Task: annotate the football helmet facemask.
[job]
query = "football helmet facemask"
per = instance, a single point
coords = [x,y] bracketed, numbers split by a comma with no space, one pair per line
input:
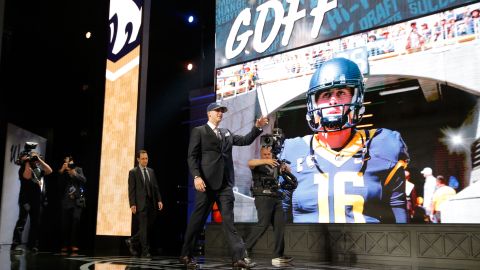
[335,73]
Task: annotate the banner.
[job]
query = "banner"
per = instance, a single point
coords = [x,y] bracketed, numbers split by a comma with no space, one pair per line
[251,29]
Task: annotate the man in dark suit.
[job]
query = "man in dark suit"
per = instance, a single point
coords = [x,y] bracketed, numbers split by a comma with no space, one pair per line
[145,201]
[211,165]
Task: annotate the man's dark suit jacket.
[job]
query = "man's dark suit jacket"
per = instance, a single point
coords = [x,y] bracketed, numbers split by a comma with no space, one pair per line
[66,181]
[210,158]
[137,192]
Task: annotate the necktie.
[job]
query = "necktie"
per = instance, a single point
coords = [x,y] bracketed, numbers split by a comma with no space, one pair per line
[217,132]
[147,182]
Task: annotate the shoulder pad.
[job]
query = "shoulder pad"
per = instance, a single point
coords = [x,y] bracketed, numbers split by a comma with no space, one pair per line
[388,144]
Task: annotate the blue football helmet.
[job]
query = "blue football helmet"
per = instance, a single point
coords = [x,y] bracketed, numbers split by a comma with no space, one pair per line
[335,73]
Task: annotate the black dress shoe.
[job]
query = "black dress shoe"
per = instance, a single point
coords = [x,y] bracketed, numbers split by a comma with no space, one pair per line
[243,264]
[187,261]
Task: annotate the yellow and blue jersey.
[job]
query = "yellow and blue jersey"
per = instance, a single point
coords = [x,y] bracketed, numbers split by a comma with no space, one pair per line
[364,182]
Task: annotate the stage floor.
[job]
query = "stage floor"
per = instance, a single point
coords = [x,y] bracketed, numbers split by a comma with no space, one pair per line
[86,261]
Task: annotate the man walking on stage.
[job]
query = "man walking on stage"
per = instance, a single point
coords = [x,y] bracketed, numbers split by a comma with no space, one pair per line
[211,165]
[145,201]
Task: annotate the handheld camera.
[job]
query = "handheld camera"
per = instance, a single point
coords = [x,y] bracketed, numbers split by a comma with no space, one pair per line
[26,154]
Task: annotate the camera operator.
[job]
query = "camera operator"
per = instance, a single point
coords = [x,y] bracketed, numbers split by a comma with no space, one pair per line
[268,199]
[32,169]
[72,183]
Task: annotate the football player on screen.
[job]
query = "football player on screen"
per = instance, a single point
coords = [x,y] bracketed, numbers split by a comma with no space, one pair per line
[345,175]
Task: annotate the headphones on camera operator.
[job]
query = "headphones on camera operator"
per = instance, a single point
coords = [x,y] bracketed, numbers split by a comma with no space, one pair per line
[265,177]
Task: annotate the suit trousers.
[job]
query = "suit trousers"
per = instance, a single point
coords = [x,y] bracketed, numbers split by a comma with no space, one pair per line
[203,205]
[146,219]
[70,225]
[269,211]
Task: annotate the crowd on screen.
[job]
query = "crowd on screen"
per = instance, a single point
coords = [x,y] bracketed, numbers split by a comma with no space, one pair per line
[449,27]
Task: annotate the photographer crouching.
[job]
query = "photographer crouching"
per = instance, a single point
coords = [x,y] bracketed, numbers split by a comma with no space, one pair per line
[72,183]
[32,170]
[269,191]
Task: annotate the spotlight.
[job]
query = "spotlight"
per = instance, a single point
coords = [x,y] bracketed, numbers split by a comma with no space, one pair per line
[189,66]
[191,19]
[88,35]
[457,139]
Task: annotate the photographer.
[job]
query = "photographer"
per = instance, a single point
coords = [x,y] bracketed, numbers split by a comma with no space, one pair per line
[72,183]
[32,169]
[268,197]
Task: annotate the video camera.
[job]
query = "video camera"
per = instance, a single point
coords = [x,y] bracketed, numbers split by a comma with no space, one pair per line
[276,141]
[26,154]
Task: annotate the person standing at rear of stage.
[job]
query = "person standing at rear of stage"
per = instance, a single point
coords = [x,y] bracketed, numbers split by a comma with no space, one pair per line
[145,201]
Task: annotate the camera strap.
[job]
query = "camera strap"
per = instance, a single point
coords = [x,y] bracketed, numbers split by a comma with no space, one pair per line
[35,178]
[312,156]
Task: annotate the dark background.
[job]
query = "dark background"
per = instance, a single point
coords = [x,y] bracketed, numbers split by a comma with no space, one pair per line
[52,82]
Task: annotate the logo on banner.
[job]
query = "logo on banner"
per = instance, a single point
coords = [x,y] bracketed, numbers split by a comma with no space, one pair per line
[125,23]
[263,10]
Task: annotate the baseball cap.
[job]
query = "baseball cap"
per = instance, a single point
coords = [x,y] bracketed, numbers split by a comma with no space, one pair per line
[426,170]
[214,106]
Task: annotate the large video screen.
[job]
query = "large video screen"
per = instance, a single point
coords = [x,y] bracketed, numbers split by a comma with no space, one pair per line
[413,157]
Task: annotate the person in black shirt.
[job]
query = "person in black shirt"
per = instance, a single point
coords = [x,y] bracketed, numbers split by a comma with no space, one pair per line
[268,201]
[32,169]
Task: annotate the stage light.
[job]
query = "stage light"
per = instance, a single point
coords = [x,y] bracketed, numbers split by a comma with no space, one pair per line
[191,19]
[456,139]
[364,126]
[189,66]
[88,35]
[396,91]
